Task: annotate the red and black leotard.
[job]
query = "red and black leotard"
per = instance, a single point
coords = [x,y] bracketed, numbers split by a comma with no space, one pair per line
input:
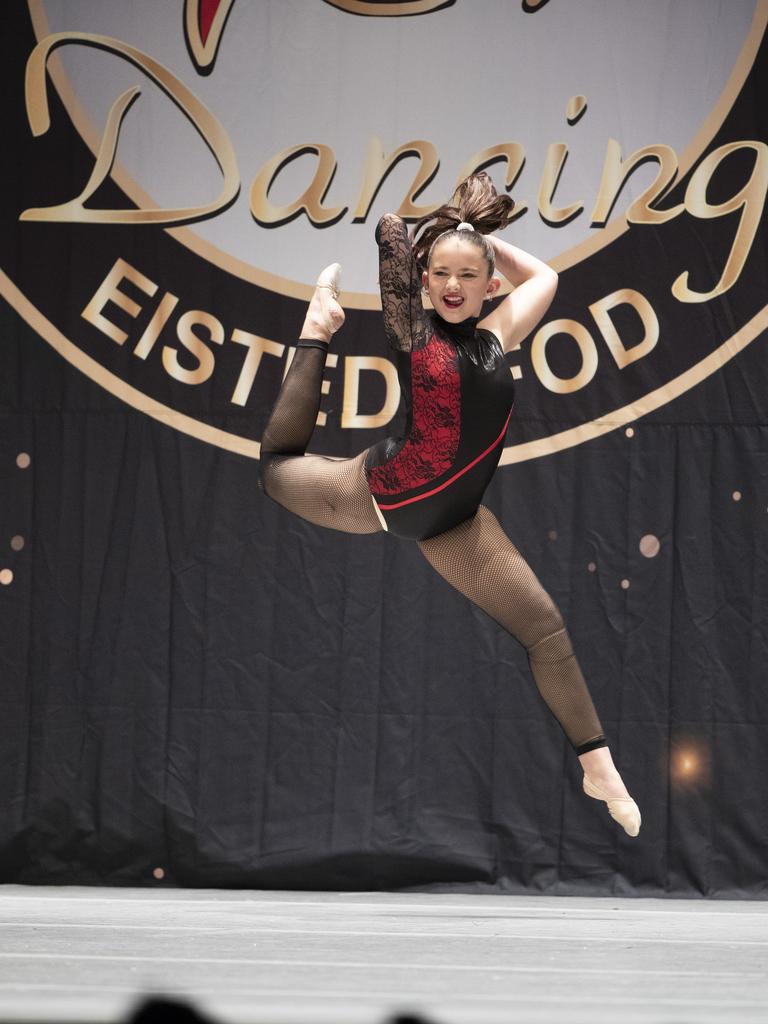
[457,391]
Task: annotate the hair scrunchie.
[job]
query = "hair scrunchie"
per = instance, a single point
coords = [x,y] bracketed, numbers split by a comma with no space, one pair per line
[465,226]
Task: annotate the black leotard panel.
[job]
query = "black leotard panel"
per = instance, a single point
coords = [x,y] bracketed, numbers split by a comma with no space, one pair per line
[458,393]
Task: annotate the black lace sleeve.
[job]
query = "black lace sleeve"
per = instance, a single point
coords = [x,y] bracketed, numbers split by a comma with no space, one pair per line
[405,320]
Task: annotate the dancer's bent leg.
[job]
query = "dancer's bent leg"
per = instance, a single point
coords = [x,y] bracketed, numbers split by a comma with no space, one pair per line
[329,492]
[479,560]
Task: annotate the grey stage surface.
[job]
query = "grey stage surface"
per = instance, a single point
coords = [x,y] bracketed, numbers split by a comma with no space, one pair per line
[71,954]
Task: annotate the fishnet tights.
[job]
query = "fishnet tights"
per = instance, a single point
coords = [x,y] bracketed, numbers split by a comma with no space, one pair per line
[478,559]
[328,492]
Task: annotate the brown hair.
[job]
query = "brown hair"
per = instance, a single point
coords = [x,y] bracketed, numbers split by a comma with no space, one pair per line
[475,201]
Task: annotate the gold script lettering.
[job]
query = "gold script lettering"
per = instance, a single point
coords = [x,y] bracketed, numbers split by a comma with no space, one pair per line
[750,199]
[377,167]
[616,173]
[311,200]
[557,154]
[203,120]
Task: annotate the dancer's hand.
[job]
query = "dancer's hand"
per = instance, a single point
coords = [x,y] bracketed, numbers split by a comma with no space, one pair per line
[534,285]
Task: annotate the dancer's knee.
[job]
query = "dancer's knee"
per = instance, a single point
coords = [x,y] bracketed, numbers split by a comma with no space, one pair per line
[553,648]
[267,466]
[548,640]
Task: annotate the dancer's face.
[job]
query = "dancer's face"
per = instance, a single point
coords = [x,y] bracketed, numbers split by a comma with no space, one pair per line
[457,280]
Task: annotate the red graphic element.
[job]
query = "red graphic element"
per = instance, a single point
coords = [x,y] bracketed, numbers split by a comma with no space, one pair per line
[435,422]
[206,15]
[204,22]
[450,480]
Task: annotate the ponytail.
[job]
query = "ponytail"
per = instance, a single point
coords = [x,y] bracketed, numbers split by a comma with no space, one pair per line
[475,210]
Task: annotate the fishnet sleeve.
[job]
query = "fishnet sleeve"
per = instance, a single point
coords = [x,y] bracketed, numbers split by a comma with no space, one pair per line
[405,321]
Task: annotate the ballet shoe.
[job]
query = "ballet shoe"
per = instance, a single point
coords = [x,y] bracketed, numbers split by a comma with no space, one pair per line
[330,279]
[622,809]
[327,314]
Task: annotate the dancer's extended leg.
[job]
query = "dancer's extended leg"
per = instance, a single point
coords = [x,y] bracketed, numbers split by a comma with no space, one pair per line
[330,492]
[480,561]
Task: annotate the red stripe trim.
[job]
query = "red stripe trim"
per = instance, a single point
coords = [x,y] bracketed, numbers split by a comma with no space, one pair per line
[447,483]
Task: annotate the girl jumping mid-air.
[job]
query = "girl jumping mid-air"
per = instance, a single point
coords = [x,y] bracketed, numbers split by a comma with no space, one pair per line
[427,484]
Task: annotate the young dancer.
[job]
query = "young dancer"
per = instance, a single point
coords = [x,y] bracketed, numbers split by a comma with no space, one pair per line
[427,484]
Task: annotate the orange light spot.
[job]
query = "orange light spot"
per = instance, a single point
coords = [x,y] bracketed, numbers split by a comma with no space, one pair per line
[689,764]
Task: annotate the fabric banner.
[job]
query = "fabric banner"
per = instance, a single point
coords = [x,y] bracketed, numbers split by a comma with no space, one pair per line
[199,688]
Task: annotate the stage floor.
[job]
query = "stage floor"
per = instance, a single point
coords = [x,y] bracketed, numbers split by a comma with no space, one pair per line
[69,954]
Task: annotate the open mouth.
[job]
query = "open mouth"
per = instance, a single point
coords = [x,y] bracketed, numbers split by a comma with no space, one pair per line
[453,301]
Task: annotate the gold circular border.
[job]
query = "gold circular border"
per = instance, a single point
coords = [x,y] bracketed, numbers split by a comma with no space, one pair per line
[364,300]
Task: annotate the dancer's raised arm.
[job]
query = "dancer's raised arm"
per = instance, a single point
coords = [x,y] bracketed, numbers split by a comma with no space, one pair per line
[399,282]
[534,286]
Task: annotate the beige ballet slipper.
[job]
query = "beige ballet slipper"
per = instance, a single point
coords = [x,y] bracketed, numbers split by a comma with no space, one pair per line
[624,810]
[330,278]
[324,315]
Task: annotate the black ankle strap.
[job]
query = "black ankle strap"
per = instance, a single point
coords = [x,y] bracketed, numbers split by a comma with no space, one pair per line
[312,343]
